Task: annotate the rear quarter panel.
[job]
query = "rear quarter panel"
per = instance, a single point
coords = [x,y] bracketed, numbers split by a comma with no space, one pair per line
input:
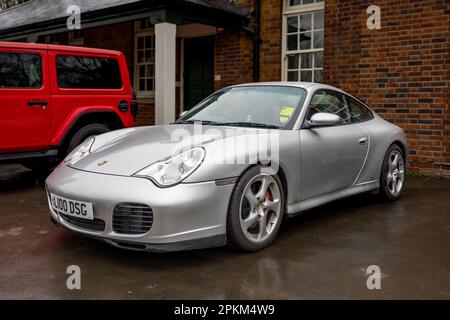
[69,104]
[382,135]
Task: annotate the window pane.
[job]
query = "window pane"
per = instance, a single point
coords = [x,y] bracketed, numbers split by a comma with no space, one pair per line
[150,71]
[292,42]
[140,43]
[141,85]
[149,55]
[308,1]
[318,39]
[306,61]
[318,60]
[318,76]
[358,112]
[88,73]
[292,23]
[149,42]
[142,71]
[293,61]
[19,70]
[329,102]
[149,84]
[269,105]
[305,22]
[294,2]
[141,57]
[318,20]
[306,76]
[305,41]
[293,76]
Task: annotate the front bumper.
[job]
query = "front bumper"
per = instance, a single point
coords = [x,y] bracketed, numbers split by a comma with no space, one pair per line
[186,216]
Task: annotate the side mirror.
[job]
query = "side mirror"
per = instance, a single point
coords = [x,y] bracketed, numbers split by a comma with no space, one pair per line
[324,119]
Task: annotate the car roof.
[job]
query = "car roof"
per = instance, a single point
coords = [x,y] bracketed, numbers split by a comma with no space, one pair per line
[35,46]
[304,85]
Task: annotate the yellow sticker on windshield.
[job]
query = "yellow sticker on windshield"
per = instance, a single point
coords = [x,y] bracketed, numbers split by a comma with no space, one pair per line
[286,113]
[284,119]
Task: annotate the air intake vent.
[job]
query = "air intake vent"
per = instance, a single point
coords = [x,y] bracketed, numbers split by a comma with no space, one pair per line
[92,225]
[132,218]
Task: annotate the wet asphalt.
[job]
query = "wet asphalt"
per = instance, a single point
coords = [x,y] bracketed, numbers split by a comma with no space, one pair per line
[323,254]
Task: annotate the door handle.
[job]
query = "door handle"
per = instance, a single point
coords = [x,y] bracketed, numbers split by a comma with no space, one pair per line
[37,103]
[363,140]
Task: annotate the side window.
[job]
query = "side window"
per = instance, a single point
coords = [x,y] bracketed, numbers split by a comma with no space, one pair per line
[76,72]
[358,112]
[20,70]
[329,102]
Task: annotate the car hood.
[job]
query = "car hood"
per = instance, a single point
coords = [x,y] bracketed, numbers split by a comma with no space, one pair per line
[128,151]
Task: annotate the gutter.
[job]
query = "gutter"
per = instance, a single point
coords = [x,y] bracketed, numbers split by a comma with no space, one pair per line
[257,40]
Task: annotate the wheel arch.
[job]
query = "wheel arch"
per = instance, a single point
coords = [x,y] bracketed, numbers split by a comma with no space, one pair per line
[403,147]
[108,118]
[280,174]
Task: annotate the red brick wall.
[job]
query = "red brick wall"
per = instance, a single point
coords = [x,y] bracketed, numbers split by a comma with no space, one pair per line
[271,28]
[401,70]
[234,50]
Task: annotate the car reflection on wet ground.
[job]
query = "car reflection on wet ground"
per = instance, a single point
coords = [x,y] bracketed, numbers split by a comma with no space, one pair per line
[322,254]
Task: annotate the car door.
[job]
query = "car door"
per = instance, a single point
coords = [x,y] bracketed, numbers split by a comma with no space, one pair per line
[331,157]
[25,110]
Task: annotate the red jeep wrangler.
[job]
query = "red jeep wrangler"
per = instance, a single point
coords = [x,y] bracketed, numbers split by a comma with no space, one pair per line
[52,98]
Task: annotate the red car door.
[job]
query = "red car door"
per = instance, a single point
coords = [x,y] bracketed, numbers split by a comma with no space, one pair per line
[25,105]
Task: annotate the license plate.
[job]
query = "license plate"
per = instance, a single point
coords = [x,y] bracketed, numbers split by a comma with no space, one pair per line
[73,208]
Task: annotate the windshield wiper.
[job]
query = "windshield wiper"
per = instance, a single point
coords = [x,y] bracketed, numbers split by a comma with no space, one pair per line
[249,124]
[204,122]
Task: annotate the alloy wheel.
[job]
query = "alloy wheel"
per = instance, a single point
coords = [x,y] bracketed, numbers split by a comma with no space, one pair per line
[260,208]
[396,173]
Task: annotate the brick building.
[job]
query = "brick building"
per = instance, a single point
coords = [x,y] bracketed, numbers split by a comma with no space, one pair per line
[179,51]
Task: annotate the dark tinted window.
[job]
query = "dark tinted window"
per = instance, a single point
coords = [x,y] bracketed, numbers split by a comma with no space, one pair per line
[358,112]
[88,73]
[329,102]
[20,70]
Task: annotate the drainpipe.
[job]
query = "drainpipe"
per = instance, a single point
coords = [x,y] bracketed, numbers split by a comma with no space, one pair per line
[256,40]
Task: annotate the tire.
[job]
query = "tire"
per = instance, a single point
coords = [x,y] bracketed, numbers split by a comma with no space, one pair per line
[393,174]
[84,133]
[251,209]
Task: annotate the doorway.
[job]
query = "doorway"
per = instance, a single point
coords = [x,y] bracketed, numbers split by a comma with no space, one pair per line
[198,70]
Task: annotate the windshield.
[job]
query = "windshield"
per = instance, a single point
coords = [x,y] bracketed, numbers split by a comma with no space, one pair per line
[264,106]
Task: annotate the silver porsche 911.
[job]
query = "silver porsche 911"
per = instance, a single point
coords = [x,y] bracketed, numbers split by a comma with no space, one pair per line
[229,170]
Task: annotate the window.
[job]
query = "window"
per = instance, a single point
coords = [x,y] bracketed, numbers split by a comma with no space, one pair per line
[144,71]
[303,38]
[88,73]
[358,112]
[265,105]
[300,2]
[20,70]
[329,102]
[7,4]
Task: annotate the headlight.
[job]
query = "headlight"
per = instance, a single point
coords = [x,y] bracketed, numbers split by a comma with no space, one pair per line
[80,152]
[170,172]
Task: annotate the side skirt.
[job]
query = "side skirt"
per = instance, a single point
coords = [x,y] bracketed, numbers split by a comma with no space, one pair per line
[295,209]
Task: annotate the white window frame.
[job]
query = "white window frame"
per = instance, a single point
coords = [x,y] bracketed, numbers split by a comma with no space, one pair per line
[137,34]
[293,10]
